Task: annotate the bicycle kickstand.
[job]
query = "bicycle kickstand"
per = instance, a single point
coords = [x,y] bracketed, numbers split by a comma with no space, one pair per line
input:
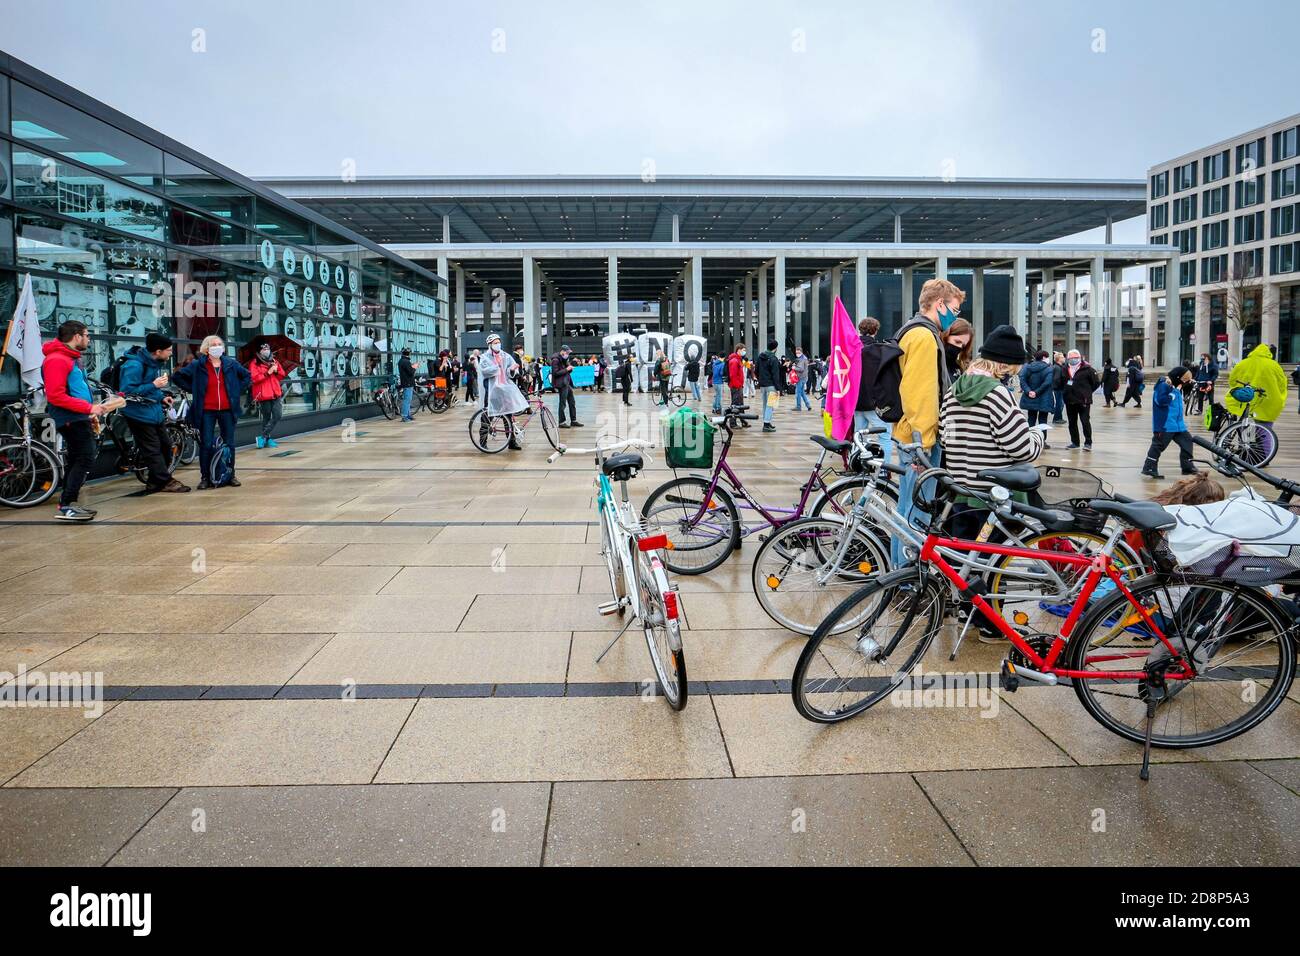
[610,645]
[970,619]
[1145,772]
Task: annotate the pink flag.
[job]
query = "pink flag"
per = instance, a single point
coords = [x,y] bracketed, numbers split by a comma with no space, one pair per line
[845,372]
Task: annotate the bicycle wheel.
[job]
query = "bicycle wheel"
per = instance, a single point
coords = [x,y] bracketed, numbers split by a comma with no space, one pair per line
[385,402]
[1025,601]
[1236,636]
[679,397]
[221,464]
[842,672]
[663,635]
[173,447]
[802,572]
[1250,441]
[842,495]
[549,428]
[701,537]
[490,433]
[189,445]
[29,474]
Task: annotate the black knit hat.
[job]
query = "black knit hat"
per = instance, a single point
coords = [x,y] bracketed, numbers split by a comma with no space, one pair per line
[1005,345]
[154,342]
[1176,373]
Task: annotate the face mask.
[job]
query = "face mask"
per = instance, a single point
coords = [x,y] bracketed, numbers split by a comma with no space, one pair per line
[741,353]
[946,318]
[496,346]
[952,350]
[265,355]
[1075,361]
[216,351]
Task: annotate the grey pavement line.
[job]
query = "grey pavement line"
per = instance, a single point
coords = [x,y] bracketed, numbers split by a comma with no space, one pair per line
[929,799]
[1040,730]
[393,743]
[163,806]
[722,735]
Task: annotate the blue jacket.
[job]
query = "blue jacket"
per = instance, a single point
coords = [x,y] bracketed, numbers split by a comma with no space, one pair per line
[1037,377]
[1206,374]
[1167,408]
[194,379]
[136,379]
[719,372]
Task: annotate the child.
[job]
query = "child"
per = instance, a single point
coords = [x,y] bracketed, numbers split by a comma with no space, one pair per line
[1167,424]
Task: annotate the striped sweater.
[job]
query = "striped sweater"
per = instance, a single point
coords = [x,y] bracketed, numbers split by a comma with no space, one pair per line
[981,427]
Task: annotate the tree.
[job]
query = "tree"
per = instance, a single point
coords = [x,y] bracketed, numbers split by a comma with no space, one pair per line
[1243,302]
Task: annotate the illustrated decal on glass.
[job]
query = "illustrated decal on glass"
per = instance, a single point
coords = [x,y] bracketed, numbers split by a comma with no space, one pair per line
[289,260]
[308,299]
[290,295]
[268,323]
[268,254]
[338,276]
[352,309]
[324,303]
[308,266]
[291,328]
[354,281]
[268,291]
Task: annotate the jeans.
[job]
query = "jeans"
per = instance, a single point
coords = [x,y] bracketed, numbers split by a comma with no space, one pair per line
[738,396]
[717,397]
[406,403]
[208,426]
[1058,405]
[906,485]
[149,442]
[272,412]
[863,420]
[800,397]
[764,394]
[81,449]
[695,390]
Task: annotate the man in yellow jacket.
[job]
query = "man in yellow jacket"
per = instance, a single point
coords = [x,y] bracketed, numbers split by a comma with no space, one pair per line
[924,379]
[1259,370]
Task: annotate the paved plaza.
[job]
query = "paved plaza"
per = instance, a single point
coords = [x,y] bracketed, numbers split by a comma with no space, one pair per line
[380,650]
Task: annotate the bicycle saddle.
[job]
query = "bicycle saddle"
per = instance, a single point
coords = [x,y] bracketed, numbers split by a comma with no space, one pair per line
[830,444]
[1022,477]
[1143,515]
[622,467]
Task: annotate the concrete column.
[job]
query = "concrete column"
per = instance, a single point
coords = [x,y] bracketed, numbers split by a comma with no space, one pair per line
[1048,338]
[446,229]
[1270,329]
[677,227]
[861,289]
[1149,339]
[837,278]
[908,307]
[779,301]
[1114,309]
[663,312]
[532,323]
[442,331]
[762,308]
[1096,310]
[508,319]
[487,308]
[815,307]
[898,228]
[548,328]
[977,305]
[695,270]
[941,267]
[613,294]
[458,347]
[1032,336]
[1018,295]
[1169,357]
[1202,316]
[1072,312]
[688,297]
[748,303]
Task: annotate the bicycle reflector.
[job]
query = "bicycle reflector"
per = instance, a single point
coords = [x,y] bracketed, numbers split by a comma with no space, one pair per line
[652,543]
[670,605]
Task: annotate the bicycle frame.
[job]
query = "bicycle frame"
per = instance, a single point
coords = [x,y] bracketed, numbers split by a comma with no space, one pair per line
[1097,565]
[619,535]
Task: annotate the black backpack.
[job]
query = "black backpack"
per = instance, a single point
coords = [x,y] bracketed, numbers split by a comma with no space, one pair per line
[883,369]
[112,376]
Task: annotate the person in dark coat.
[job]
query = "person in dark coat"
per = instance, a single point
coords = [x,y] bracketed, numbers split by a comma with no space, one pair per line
[1133,389]
[1058,388]
[1037,395]
[562,382]
[216,382]
[1081,380]
[1205,375]
[1109,381]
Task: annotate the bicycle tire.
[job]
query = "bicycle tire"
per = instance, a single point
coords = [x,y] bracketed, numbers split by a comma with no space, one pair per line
[549,427]
[849,490]
[1259,449]
[901,609]
[786,568]
[189,446]
[663,634]
[37,474]
[693,547]
[385,403]
[613,565]
[490,434]
[1240,600]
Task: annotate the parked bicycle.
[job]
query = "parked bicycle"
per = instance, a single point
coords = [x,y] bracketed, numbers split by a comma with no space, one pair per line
[633,558]
[1163,646]
[1243,435]
[493,433]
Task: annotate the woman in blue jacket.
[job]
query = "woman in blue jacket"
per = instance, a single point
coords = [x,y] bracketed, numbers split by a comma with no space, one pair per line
[1037,396]
[1167,424]
[216,382]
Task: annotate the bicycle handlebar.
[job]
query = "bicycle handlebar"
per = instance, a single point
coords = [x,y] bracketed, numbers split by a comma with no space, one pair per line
[600,449]
[1284,485]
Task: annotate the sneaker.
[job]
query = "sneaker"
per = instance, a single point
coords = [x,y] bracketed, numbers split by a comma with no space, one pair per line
[81,507]
[769,428]
[991,637]
[564,425]
[1191,471]
[577,425]
[1071,447]
[73,513]
[272,443]
[1087,447]
[175,487]
[204,484]
[261,442]
[1152,474]
[233,482]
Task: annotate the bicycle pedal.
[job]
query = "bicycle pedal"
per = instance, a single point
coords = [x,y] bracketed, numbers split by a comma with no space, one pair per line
[1008,680]
[611,607]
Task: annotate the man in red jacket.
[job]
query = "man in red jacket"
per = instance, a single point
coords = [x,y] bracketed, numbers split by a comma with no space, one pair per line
[736,377]
[71,405]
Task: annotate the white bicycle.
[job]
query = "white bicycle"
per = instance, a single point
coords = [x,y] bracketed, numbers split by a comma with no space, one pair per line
[637,577]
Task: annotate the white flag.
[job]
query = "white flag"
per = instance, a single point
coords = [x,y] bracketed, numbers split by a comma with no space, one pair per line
[24,339]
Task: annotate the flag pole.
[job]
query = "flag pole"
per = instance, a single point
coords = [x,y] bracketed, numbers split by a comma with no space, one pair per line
[4,349]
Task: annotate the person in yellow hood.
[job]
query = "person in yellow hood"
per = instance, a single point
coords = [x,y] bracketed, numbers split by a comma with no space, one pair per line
[1260,370]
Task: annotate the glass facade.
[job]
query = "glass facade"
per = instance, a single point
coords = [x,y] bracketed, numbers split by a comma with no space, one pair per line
[121,234]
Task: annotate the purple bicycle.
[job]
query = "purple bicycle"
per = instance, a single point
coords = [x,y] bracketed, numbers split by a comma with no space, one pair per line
[702,516]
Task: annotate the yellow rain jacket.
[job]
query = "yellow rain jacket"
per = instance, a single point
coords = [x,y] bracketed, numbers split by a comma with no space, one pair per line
[1260,370]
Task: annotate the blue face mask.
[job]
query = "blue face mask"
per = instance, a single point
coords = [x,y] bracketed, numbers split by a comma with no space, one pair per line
[946,318]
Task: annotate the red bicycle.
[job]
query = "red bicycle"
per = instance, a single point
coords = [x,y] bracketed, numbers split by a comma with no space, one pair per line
[1167,660]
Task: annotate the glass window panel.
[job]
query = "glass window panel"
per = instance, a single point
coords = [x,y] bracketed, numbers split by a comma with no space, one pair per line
[208,191]
[282,226]
[49,183]
[55,126]
[5,177]
[59,246]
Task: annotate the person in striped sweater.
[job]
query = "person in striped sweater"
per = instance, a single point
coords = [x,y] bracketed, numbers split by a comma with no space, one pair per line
[981,426]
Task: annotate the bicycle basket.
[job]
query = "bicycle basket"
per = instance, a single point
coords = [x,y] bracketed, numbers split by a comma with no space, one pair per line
[1070,489]
[1216,416]
[1227,564]
[687,438]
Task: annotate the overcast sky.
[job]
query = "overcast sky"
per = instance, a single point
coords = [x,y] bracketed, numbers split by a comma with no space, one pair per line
[1042,88]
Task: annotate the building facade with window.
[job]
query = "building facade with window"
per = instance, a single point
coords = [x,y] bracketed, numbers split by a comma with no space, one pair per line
[131,232]
[1233,212]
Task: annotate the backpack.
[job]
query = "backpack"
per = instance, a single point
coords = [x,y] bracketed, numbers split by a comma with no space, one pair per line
[882,367]
[112,376]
